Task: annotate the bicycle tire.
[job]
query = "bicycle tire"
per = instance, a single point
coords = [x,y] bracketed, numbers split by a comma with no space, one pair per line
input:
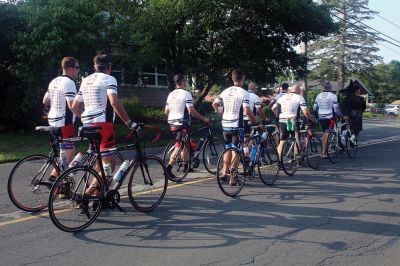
[240,174]
[272,169]
[333,147]
[351,146]
[75,211]
[314,152]
[147,191]
[211,154]
[289,160]
[271,151]
[28,169]
[178,170]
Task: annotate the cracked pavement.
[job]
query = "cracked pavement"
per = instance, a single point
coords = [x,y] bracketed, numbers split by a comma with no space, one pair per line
[344,214]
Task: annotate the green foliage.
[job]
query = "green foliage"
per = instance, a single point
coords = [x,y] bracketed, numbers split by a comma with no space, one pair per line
[384,82]
[139,113]
[205,108]
[311,96]
[216,89]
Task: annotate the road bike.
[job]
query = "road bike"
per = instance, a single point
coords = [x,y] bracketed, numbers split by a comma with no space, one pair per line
[28,184]
[209,146]
[296,152]
[79,208]
[341,139]
[239,168]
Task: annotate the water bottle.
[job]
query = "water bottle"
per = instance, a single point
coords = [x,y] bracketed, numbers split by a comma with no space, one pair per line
[121,171]
[63,159]
[107,169]
[77,160]
[199,144]
[264,135]
[253,153]
[246,152]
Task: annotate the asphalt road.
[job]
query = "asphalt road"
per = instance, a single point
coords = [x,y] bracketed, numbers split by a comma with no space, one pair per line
[343,214]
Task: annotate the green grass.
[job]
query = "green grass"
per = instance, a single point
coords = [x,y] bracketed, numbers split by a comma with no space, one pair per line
[15,145]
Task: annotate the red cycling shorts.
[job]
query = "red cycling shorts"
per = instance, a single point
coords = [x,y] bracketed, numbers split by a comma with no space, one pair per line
[68,131]
[107,140]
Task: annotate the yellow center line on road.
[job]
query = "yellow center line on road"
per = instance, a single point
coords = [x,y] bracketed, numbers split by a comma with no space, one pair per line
[46,214]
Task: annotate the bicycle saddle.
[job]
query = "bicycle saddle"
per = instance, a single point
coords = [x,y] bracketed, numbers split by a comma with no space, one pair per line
[47,128]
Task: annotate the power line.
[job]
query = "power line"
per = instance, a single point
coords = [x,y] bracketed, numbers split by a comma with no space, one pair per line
[390,49]
[358,27]
[337,10]
[388,21]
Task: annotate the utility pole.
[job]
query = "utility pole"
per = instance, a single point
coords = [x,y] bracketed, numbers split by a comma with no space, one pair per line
[304,50]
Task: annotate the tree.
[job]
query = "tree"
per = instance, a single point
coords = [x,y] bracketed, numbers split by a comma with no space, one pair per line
[350,50]
[384,82]
[11,22]
[207,39]
[53,29]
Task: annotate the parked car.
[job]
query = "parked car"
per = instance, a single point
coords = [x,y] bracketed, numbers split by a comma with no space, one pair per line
[392,109]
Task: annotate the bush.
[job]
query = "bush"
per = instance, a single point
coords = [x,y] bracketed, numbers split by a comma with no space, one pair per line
[205,107]
[215,89]
[139,113]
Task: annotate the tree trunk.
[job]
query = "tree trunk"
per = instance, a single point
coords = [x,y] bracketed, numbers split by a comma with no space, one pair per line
[203,93]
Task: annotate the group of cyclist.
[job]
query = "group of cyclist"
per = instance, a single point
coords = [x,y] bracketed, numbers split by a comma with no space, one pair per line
[97,102]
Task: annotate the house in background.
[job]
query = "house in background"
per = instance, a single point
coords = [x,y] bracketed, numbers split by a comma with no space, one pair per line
[149,85]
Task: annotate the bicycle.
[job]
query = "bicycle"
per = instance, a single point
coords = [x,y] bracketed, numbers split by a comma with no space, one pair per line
[209,146]
[28,185]
[341,139]
[269,144]
[241,167]
[296,152]
[77,210]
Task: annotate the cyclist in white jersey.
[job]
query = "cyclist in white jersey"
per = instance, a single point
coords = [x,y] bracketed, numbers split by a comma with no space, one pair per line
[283,91]
[288,105]
[255,106]
[178,108]
[235,101]
[58,100]
[98,97]
[326,104]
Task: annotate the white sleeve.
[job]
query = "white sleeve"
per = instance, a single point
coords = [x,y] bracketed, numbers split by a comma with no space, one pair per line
[111,85]
[70,90]
[303,104]
[188,99]
[257,102]
[78,96]
[246,99]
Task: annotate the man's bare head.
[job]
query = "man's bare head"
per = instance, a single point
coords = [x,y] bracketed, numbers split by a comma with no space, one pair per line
[296,89]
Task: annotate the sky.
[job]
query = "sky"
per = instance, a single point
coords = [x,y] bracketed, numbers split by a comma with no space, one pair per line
[389,9]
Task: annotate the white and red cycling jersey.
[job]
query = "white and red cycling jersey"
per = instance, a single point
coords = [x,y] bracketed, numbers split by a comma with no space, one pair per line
[326,103]
[233,99]
[61,90]
[94,93]
[178,103]
[254,103]
[289,105]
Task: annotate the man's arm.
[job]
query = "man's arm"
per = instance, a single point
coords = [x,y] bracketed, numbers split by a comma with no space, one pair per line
[46,99]
[119,108]
[76,107]
[196,114]
[247,111]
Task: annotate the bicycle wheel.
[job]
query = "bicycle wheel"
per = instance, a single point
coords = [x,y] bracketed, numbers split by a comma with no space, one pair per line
[28,185]
[231,182]
[351,144]
[211,152]
[268,170]
[269,152]
[333,147]
[69,208]
[180,169]
[314,152]
[147,184]
[289,159]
